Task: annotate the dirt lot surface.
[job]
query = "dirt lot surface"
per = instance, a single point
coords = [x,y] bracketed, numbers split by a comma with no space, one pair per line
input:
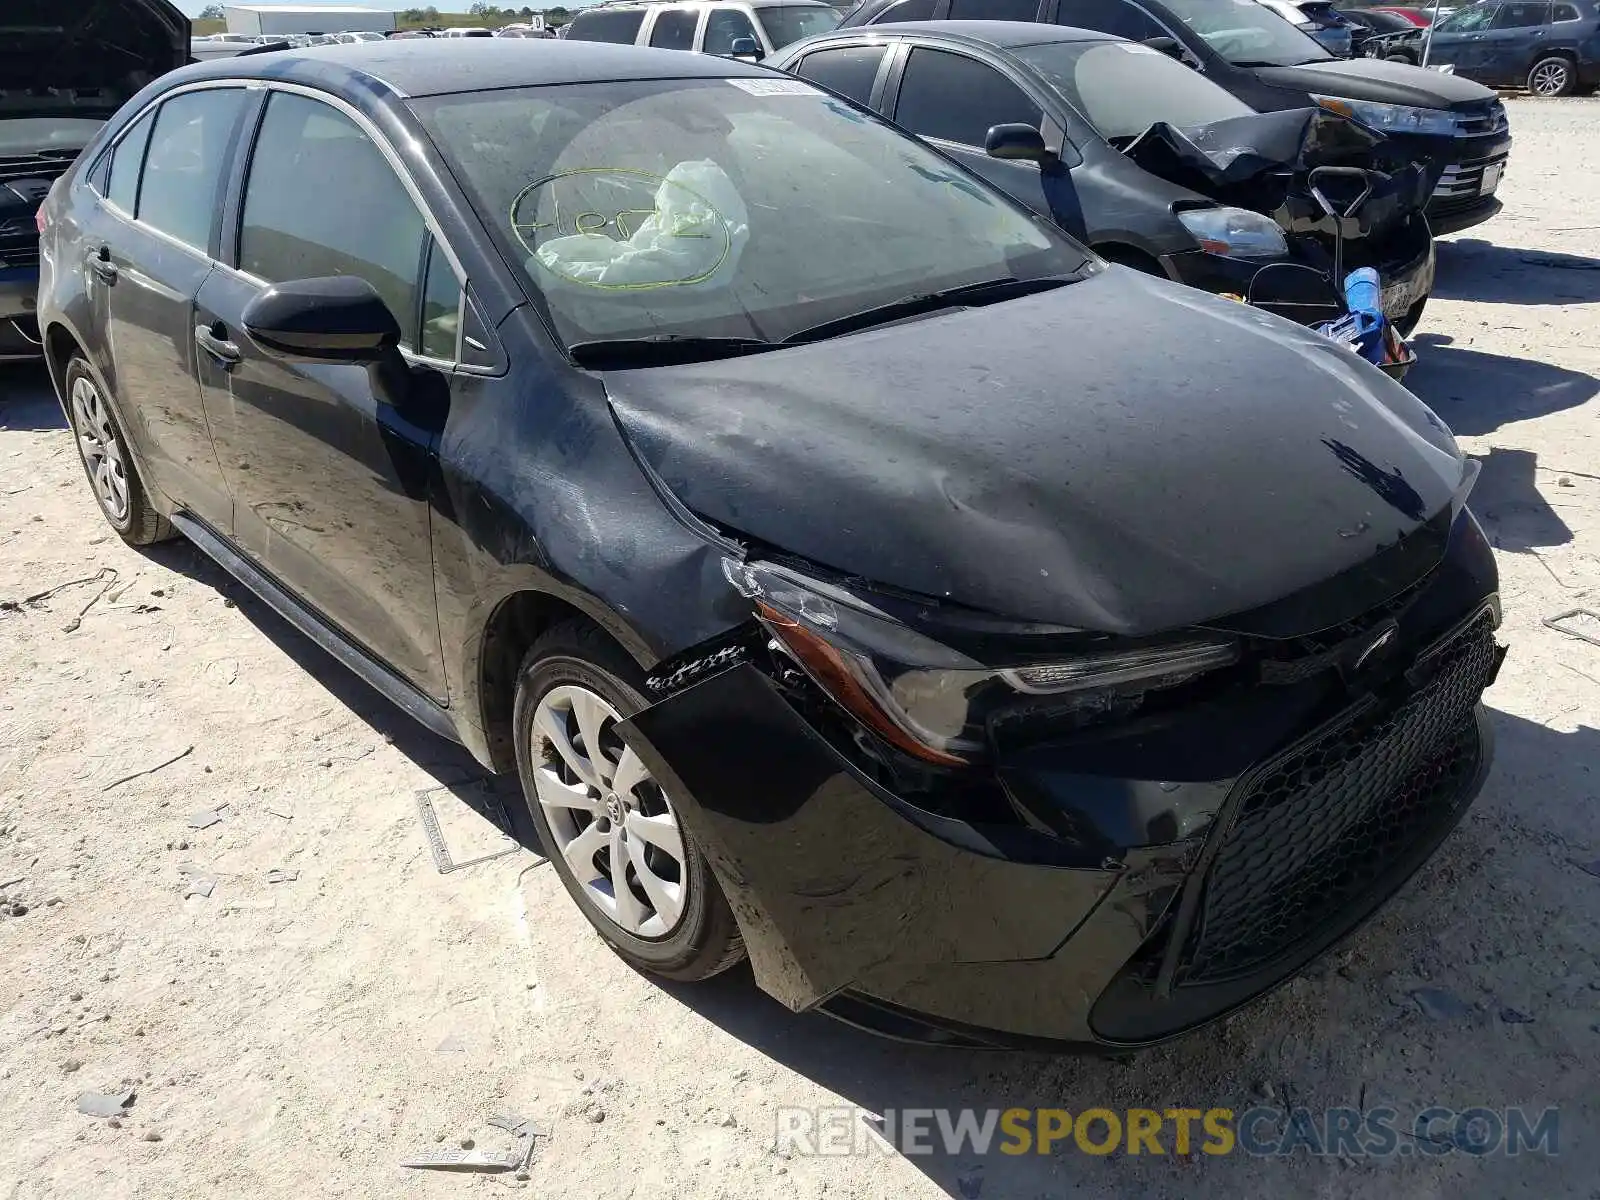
[302,1033]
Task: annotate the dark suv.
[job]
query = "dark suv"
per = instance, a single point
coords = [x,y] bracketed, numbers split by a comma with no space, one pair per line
[1550,49]
[1457,127]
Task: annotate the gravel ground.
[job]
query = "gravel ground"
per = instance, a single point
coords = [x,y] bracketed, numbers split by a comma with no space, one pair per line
[303,1033]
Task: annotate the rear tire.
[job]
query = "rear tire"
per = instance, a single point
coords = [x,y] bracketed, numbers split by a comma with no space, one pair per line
[108,464]
[1553,76]
[593,805]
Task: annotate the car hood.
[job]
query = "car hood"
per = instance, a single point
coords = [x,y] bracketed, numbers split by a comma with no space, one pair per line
[1381,81]
[88,57]
[1122,454]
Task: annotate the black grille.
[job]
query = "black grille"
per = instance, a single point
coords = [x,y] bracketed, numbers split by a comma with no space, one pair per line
[1321,824]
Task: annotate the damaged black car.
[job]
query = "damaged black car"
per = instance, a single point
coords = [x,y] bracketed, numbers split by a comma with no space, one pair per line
[64,68]
[1149,162]
[996,648]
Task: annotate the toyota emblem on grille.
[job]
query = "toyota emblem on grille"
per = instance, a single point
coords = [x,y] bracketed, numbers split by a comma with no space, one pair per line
[1377,644]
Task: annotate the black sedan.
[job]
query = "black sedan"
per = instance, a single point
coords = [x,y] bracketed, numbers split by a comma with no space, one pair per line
[1086,98]
[1457,127]
[997,646]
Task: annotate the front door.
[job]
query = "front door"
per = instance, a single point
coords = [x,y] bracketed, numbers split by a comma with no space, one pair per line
[953,100]
[1459,40]
[331,483]
[152,248]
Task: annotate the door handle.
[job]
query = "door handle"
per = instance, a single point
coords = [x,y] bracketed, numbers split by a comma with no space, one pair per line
[100,263]
[213,339]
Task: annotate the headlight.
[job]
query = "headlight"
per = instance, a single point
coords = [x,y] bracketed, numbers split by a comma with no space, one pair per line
[1235,231]
[1391,118]
[928,699]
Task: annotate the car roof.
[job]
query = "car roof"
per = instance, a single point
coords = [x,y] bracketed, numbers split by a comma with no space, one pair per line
[1004,34]
[631,5]
[438,66]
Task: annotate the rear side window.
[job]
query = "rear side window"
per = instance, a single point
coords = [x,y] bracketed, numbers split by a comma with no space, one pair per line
[179,192]
[850,71]
[126,163]
[322,200]
[1565,12]
[1521,16]
[613,26]
[674,30]
[993,10]
[957,98]
[1109,16]
[906,10]
[724,27]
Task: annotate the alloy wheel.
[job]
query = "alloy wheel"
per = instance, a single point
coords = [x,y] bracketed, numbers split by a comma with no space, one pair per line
[101,449]
[1549,79]
[612,823]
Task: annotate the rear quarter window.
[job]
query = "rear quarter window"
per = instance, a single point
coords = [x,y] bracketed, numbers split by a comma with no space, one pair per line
[620,27]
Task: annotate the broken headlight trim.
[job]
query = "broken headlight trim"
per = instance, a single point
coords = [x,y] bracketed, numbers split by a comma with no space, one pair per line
[1392,118]
[923,697]
[1235,232]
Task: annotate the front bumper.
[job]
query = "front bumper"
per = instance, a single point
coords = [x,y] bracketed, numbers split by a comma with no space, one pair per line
[1465,173]
[1119,911]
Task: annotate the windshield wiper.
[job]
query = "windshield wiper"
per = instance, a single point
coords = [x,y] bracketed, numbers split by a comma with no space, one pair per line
[662,350]
[989,291]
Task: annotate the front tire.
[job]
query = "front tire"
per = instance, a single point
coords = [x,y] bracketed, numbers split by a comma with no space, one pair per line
[595,805]
[103,450]
[1553,76]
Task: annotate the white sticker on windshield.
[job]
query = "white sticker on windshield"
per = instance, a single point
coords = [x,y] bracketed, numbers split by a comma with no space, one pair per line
[1135,48]
[777,87]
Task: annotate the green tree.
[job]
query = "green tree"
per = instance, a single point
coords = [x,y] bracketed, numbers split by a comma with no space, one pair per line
[557,16]
[213,12]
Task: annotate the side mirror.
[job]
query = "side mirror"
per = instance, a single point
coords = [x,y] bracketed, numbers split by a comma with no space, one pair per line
[1017,143]
[1169,46]
[340,319]
[745,47]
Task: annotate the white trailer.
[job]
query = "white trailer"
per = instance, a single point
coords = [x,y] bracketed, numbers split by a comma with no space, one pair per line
[298,18]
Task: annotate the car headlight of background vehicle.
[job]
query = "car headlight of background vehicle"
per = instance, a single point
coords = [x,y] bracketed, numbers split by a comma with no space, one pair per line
[1236,232]
[1391,118]
[932,701]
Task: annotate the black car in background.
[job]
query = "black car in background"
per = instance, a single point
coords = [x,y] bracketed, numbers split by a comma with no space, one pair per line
[64,68]
[999,647]
[1550,49]
[1457,127]
[1085,98]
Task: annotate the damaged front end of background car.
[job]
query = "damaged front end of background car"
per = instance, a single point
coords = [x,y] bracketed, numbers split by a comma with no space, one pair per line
[1342,195]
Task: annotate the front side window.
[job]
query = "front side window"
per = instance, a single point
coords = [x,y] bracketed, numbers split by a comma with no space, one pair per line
[1468,20]
[180,190]
[322,200]
[1522,16]
[750,208]
[441,307]
[600,26]
[1243,32]
[1123,88]
[725,26]
[674,30]
[956,98]
[788,23]
[127,161]
[850,71]
[1110,16]
[993,10]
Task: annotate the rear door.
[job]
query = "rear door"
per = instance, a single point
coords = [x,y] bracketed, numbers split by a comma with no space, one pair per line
[953,99]
[1514,41]
[151,247]
[331,484]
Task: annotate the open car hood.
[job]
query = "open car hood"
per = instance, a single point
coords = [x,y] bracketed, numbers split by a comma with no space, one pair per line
[1264,162]
[84,57]
[1121,454]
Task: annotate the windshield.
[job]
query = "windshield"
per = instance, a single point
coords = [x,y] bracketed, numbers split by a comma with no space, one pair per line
[791,23]
[1122,88]
[1248,34]
[716,208]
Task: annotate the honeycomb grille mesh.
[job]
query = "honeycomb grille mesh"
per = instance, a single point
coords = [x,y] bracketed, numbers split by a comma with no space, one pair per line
[1322,824]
